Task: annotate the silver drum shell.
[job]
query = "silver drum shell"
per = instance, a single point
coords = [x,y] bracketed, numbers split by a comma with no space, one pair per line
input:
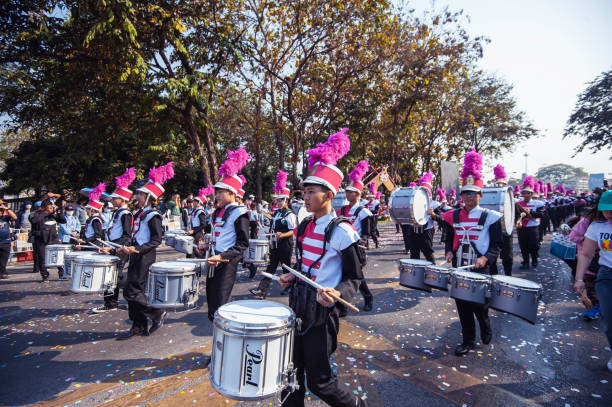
[515,300]
[469,289]
[413,275]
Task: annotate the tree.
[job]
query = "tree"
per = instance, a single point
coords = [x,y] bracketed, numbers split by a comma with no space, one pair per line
[592,116]
[560,173]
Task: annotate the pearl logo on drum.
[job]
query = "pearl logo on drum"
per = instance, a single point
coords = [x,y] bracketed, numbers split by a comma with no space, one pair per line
[252,360]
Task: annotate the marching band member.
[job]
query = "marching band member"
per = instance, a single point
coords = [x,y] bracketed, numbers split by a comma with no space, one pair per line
[44,229]
[507,253]
[528,228]
[94,227]
[240,201]
[148,232]
[230,232]
[420,238]
[373,206]
[474,238]
[6,216]
[334,262]
[120,232]
[282,225]
[197,219]
[360,217]
[442,207]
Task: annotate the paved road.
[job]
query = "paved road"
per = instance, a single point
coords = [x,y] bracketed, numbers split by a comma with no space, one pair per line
[54,351]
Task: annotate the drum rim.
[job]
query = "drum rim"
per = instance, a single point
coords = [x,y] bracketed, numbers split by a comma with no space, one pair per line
[481,277]
[223,392]
[496,279]
[57,246]
[259,241]
[436,268]
[424,263]
[257,326]
[98,259]
[167,262]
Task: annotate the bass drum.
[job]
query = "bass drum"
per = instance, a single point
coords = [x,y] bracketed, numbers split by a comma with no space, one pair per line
[339,201]
[410,205]
[500,200]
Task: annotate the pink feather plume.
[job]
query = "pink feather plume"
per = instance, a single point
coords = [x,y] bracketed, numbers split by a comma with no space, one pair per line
[528,182]
[453,192]
[549,186]
[472,165]
[242,178]
[97,192]
[372,187]
[378,194]
[124,181]
[517,188]
[360,170]
[413,184]
[544,190]
[161,174]
[281,181]
[209,190]
[235,161]
[536,188]
[560,189]
[426,178]
[499,171]
[442,193]
[336,146]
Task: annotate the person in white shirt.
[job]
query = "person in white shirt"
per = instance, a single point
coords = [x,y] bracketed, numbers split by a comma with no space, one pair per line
[598,237]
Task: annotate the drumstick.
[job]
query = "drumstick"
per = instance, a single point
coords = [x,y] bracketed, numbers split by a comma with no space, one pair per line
[319,286]
[442,263]
[111,244]
[465,267]
[270,276]
[218,261]
[76,239]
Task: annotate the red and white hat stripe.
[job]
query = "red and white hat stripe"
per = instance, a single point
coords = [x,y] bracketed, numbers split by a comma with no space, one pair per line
[356,186]
[96,205]
[283,193]
[230,182]
[152,188]
[327,175]
[122,193]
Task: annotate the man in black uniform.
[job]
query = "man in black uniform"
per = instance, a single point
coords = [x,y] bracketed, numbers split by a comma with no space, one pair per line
[282,226]
[44,230]
[148,235]
[197,220]
[474,238]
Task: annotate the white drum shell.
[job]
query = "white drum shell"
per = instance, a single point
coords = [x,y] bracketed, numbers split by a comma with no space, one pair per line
[501,200]
[469,286]
[172,284]
[94,274]
[412,273]
[410,205]
[172,234]
[183,244]
[251,349]
[516,296]
[69,260]
[257,252]
[54,254]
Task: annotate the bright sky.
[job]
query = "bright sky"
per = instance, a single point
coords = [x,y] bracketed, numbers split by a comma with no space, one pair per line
[548,50]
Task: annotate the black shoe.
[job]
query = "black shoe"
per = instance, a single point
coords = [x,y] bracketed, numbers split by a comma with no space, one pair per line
[342,313]
[257,293]
[132,332]
[534,264]
[252,273]
[486,338]
[158,323]
[45,280]
[463,349]
[367,306]
[3,276]
[524,266]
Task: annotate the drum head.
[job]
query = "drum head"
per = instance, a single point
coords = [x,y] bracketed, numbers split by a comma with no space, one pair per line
[97,259]
[415,262]
[441,269]
[185,238]
[420,206]
[263,242]
[470,275]
[178,267]
[517,282]
[508,211]
[255,312]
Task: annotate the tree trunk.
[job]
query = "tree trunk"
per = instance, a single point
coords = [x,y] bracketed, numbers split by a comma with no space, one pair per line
[194,139]
[212,155]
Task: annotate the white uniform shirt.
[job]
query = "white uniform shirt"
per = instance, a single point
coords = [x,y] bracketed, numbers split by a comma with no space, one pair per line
[225,234]
[533,205]
[116,228]
[142,233]
[467,227]
[89,231]
[328,271]
[195,217]
[356,221]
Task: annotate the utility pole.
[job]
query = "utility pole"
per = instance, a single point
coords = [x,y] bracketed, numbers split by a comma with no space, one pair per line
[526,155]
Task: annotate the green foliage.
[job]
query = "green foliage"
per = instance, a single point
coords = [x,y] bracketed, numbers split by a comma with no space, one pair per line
[560,173]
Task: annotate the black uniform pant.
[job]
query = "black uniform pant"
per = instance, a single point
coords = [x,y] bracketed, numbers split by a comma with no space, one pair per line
[506,256]
[38,252]
[252,229]
[134,291]
[111,297]
[219,287]
[467,310]
[5,251]
[311,353]
[418,242]
[375,233]
[280,255]
[529,242]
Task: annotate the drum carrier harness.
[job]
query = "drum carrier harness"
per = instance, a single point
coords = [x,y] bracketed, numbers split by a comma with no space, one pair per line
[466,253]
[303,297]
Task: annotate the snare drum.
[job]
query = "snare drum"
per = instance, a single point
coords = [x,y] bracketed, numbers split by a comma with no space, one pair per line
[469,286]
[412,273]
[252,349]
[257,252]
[500,200]
[172,284]
[438,276]
[516,296]
[54,254]
[410,205]
[94,274]
[201,265]
[183,244]
[69,260]
[172,234]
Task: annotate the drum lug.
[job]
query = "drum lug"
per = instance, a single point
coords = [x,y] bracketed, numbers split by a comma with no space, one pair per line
[518,297]
[289,381]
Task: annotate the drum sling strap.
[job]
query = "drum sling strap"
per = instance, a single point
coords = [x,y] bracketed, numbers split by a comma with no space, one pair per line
[468,248]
